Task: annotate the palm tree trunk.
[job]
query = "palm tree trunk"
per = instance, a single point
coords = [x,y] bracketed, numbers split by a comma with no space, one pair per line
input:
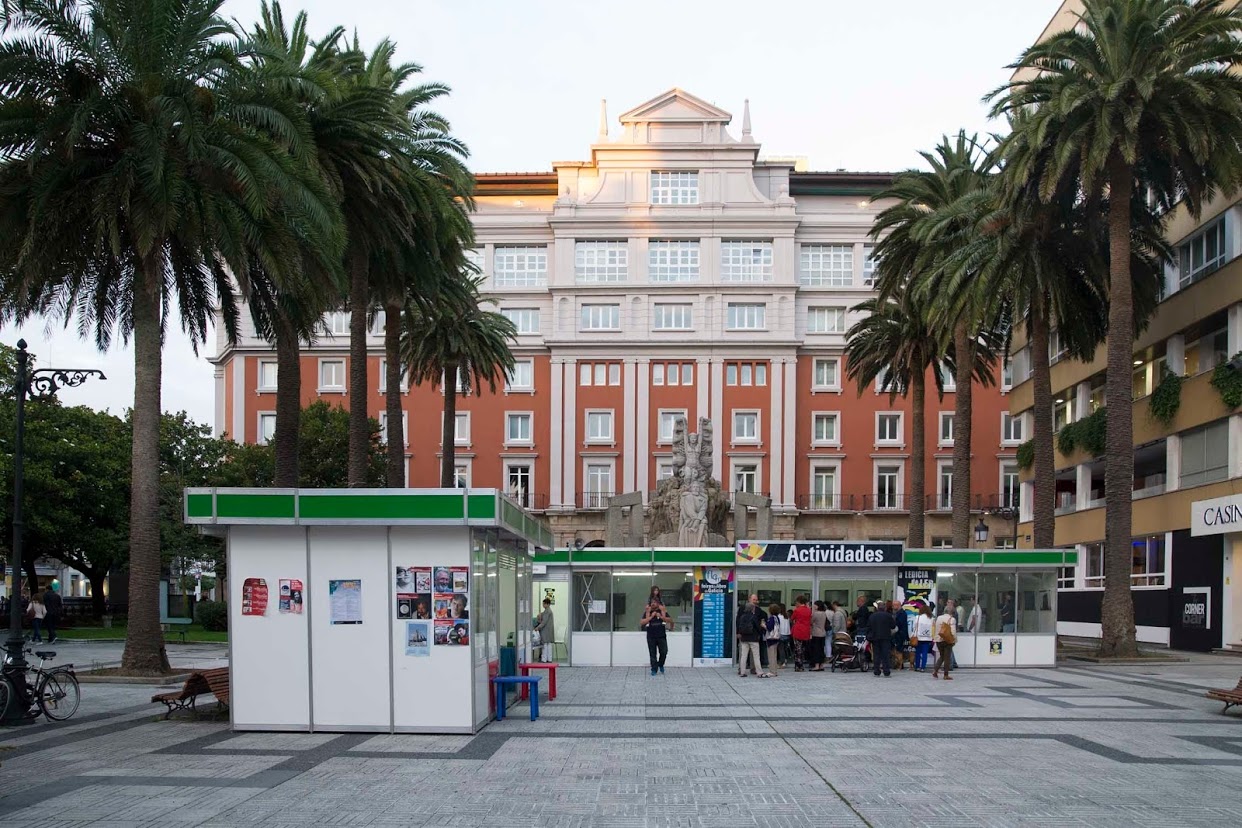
[918,459]
[288,404]
[1044,505]
[144,641]
[392,396]
[1117,612]
[964,350]
[448,434]
[359,428]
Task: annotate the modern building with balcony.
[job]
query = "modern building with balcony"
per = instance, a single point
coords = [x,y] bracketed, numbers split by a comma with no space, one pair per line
[675,273]
[1195,457]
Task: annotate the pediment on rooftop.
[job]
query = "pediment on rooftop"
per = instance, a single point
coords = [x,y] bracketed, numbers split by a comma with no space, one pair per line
[676,105]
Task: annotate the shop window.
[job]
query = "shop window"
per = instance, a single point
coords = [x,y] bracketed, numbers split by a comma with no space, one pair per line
[997,599]
[1094,553]
[1035,602]
[1147,561]
[1065,577]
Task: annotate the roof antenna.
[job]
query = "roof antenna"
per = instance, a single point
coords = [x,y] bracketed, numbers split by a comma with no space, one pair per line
[603,119]
[746,136]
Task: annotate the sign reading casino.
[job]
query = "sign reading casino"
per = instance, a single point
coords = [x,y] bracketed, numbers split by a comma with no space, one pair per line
[1218,516]
[819,553]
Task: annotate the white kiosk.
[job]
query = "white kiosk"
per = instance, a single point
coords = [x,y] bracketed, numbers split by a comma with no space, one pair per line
[374,610]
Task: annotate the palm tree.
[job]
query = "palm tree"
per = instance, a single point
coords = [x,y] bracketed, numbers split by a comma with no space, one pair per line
[917,235]
[135,173]
[1140,94]
[453,337]
[894,339]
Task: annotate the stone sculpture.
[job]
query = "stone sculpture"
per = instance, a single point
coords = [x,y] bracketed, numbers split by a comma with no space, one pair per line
[692,462]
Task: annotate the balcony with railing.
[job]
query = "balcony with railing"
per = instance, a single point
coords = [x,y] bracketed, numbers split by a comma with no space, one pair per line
[534,501]
[594,500]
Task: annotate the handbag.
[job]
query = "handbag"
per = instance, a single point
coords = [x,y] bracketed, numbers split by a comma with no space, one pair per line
[536,639]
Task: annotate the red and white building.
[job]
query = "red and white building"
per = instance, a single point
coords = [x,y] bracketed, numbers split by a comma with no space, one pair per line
[674,273]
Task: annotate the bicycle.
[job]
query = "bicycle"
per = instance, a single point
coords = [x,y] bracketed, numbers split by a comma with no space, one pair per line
[56,691]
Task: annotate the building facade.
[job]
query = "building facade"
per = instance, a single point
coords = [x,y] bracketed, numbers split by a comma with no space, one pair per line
[1197,456]
[673,274]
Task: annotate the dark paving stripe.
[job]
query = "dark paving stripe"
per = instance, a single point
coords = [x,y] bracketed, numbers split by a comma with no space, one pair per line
[108,726]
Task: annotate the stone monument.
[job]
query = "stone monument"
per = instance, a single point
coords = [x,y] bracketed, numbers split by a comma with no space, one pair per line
[689,509]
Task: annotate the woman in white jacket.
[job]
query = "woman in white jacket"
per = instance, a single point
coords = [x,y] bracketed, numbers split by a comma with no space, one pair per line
[923,636]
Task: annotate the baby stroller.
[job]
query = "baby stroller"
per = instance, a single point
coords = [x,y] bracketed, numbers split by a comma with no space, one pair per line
[847,653]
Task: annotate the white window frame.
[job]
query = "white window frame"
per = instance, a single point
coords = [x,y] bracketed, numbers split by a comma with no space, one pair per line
[746,316]
[405,428]
[267,387]
[664,469]
[336,323]
[1013,429]
[529,387]
[507,469]
[900,440]
[948,379]
[825,501]
[832,317]
[261,438]
[944,503]
[826,265]
[661,414]
[1187,272]
[588,317]
[674,187]
[531,316]
[731,373]
[672,316]
[463,471]
[598,498]
[1006,383]
[598,262]
[900,466]
[460,438]
[746,261]
[476,257]
[529,439]
[737,463]
[868,265]
[1009,468]
[520,266]
[332,389]
[835,385]
[673,260]
[601,415]
[383,379]
[752,440]
[835,418]
[657,373]
[941,440]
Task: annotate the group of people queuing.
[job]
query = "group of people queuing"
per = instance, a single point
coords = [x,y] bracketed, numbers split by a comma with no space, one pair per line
[42,611]
[771,639]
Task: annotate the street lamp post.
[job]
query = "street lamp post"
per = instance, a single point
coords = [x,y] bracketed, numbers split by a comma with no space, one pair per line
[1004,513]
[41,383]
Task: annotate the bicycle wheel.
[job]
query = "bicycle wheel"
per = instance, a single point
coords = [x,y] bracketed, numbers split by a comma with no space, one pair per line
[59,695]
[5,694]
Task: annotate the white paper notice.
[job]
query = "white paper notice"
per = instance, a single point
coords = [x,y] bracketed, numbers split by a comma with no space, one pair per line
[345,602]
[598,608]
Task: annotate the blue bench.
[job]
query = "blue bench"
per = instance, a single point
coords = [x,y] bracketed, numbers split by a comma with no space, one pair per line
[530,681]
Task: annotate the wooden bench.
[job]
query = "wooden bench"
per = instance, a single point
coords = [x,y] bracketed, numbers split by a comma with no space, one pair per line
[1229,697]
[198,683]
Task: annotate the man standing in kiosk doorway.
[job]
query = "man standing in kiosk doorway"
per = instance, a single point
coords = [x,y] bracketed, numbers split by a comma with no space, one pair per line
[545,625]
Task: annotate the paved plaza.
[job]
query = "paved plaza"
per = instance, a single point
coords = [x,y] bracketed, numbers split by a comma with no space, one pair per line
[1079,745]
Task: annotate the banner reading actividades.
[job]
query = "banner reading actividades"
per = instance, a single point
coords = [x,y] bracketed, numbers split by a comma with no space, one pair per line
[713,616]
[818,553]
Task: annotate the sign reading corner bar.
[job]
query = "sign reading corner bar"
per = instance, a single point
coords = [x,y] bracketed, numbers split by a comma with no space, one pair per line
[819,553]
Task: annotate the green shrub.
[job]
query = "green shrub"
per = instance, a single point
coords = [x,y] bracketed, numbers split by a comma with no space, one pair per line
[1026,454]
[213,616]
[1088,434]
[1166,399]
[1227,381]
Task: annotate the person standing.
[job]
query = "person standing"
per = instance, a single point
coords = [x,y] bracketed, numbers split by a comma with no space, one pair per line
[36,612]
[53,608]
[545,625]
[861,614]
[656,622]
[785,651]
[974,622]
[953,611]
[838,618]
[748,630]
[901,629]
[800,629]
[1007,613]
[922,638]
[880,624]
[945,639]
[819,636]
[772,640]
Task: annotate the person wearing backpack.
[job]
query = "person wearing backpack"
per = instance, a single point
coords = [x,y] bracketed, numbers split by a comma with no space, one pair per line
[749,631]
[946,637]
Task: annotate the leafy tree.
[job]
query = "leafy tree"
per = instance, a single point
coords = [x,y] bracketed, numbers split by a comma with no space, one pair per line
[455,337]
[1139,95]
[139,175]
[894,338]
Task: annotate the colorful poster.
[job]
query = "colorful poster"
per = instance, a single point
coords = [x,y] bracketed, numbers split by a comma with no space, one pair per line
[713,616]
[452,632]
[413,590]
[418,638]
[290,596]
[916,588]
[995,645]
[345,601]
[254,596]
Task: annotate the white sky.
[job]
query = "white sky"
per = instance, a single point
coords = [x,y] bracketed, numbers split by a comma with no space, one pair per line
[861,85]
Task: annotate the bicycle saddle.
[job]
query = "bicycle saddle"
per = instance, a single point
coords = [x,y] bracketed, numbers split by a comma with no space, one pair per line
[47,654]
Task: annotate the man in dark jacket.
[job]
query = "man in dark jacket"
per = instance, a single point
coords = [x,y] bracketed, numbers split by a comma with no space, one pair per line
[861,614]
[55,607]
[880,626]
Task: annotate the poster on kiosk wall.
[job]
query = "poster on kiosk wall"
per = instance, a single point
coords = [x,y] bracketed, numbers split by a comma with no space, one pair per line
[916,588]
[713,616]
[450,603]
